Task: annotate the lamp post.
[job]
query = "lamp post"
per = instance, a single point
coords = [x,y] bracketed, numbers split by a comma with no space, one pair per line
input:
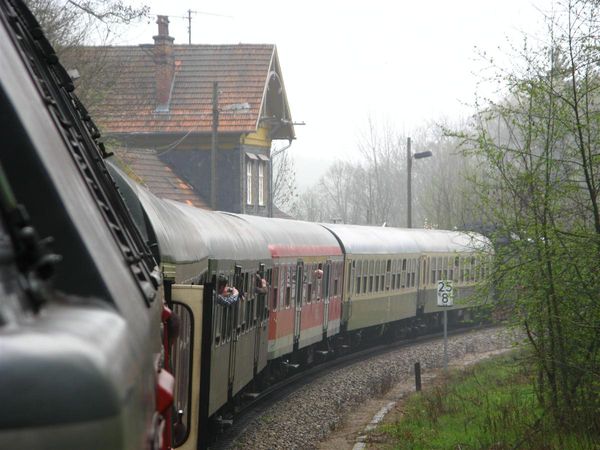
[409,158]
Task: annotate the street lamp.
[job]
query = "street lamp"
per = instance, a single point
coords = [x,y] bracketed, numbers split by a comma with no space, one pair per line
[409,158]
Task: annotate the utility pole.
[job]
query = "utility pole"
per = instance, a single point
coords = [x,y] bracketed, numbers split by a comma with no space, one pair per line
[408,185]
[214,146]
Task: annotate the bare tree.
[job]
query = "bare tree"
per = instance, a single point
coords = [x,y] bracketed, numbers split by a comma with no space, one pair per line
[284,179]
[70,23]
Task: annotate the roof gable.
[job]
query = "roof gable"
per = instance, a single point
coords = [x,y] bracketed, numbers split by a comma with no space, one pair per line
[126,97]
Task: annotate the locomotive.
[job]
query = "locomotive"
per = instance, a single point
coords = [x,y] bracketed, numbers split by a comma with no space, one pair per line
[330,286]
[81,309]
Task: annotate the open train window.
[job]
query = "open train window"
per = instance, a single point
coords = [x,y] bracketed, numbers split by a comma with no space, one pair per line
[275,285]
[335,287]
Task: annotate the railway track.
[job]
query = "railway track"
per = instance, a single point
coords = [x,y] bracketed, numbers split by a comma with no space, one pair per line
[251,410]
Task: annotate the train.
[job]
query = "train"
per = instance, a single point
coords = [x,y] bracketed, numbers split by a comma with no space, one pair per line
[82,318]
[112,332]
[329,288]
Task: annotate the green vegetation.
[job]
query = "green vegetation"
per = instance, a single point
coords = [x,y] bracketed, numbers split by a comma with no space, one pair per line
[492,405]
[539,187]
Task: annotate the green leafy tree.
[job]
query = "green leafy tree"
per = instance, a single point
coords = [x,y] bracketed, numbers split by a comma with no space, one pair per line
[538,186]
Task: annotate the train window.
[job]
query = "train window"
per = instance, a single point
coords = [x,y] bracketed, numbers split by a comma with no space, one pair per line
[181,360]
[250,314]
[393,281]
[388,275]
[309,293]
[226,328]
[358,285]
[293,283]
[288,295]
[218,312]
[335,287]
[326,278]
[274,283]
[238,317]
[370,283]
[243,311]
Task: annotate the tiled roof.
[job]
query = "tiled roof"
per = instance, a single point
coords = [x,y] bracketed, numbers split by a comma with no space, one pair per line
[150,171]
[129,103]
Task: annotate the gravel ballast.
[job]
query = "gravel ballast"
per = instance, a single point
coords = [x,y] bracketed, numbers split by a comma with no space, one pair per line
[307,416]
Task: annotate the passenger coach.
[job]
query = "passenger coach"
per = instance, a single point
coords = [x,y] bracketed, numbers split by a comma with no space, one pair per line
[391,274]
[306,294]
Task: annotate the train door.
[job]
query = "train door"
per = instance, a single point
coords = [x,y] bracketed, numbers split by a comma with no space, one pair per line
[422,272]
[325,290]
[190,357]
[261,317]
[238,283]
[299,294]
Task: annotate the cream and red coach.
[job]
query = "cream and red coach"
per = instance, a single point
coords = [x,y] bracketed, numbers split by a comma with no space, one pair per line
[306,285]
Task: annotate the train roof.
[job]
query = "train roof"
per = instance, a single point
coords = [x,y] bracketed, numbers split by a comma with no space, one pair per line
[368,240]
[291,238]
[226,236]
[186,234]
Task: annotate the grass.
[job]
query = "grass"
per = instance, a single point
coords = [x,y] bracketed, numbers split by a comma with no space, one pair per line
[488,406]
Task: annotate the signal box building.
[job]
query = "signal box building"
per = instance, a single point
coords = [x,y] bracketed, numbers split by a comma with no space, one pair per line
[155,104]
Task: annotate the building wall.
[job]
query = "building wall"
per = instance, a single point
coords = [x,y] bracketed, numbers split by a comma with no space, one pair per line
[194,167]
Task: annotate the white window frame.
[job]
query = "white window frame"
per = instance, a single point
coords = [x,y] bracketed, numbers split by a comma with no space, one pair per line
[249,170]
[261,183]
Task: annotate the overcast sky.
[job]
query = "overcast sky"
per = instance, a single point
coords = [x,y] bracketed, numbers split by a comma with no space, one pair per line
[403,63]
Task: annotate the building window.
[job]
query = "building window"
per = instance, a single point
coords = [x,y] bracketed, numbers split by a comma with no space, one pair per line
[249,165]
[261,183]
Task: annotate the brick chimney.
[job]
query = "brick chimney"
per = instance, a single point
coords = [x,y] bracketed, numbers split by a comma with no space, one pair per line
[164,64]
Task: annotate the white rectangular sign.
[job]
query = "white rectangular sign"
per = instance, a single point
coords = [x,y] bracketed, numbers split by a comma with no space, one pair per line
[445,293]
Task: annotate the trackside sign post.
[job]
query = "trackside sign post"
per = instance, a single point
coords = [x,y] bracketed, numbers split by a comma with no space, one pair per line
[445,298]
